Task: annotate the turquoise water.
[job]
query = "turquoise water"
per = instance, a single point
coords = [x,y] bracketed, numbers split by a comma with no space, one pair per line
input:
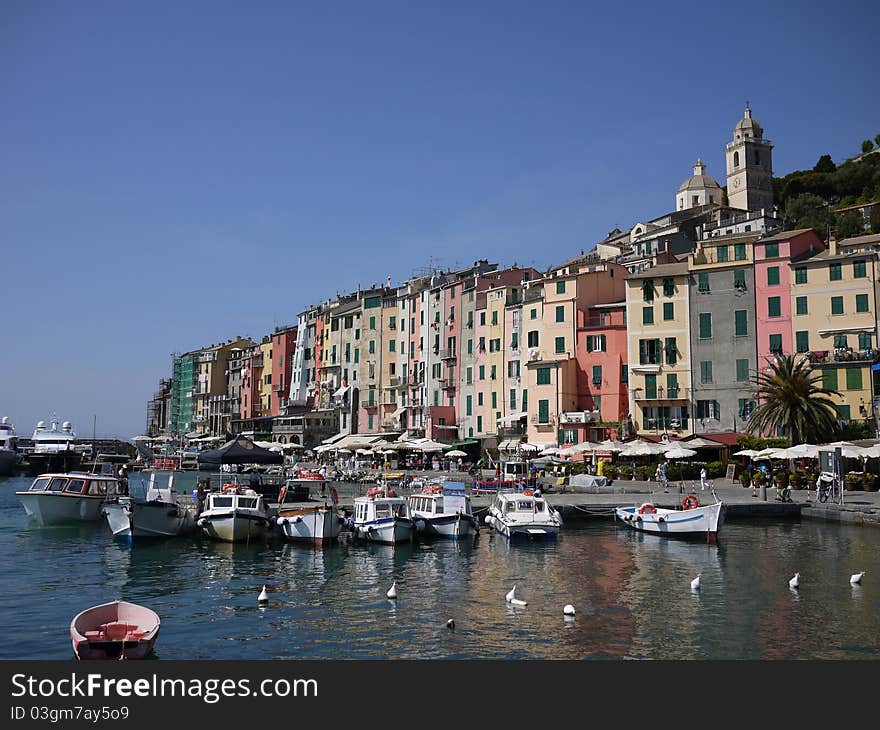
[631,592]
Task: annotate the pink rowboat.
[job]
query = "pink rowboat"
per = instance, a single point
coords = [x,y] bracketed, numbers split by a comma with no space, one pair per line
[118,630]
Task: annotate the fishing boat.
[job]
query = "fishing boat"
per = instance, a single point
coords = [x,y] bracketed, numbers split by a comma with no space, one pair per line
[316,524]
[692,520]
[525,514]
[117,630]
[445,510]
[493,486]
[161,513]
[235,514]
[54,499]
[383,517]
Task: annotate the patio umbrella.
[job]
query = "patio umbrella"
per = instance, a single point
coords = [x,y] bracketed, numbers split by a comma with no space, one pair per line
[751,453]
[456,453]
[801,451]
[612,445]
[676,452]
[550,451]
[642,448]
[241,450]
[872,452]
[585,446]
[530,447]
[768,454]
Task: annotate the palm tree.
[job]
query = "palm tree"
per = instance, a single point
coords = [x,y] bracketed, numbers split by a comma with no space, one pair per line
[792,398]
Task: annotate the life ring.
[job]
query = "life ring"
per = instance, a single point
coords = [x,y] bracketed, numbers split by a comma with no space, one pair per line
[690,502]
[647,509]
[229,488]
[282,494]
[528,493]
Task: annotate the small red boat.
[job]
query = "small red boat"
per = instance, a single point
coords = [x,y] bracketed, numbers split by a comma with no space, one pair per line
[118,630]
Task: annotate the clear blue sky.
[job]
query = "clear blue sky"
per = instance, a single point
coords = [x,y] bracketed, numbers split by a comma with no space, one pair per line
[173,174]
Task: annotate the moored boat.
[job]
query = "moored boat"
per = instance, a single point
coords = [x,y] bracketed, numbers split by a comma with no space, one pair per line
[235,514]
[299,522]
[692,520]
[9,456]
[383,517]
[523,514]
[117,630]
[445,510]
[161,513]
[54,499]
[54,449]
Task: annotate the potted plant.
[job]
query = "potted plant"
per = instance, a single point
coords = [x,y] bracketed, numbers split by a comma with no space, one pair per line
[746,478]
[624,471]
[796,481]
[852,481]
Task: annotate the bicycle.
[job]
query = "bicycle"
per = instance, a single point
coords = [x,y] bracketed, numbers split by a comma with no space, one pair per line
[827,487]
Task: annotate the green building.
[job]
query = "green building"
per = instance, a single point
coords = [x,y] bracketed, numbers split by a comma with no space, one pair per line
[183,387]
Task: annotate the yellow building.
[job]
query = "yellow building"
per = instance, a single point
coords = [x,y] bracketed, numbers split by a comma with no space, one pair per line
[834,322]
[658,331]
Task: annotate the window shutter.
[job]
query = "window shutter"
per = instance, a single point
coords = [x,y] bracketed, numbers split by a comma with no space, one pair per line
[589,343]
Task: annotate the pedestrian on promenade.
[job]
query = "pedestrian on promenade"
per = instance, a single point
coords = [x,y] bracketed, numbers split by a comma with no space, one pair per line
[703,477]
[663,480]
[460,462]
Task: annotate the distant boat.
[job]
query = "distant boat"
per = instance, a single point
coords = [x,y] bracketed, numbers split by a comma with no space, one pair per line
[235,514]
[161,513]
[525,514]
[55,499]
[9,456]
[692,520]
[383,517]
[117,630]
[445,510]
[317,524]
[54,449]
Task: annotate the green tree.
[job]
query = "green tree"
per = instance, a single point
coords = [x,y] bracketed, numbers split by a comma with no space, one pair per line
[875,219]
[809,211]
[867,146]
[825,164]
[850,224]
[877,140]
[793,400]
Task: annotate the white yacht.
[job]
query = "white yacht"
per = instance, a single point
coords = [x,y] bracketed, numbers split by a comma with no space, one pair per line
[8,448]
[444,510]
[72,497]
[54,449]
[383,517]
[523,515]
[235,514]
[161,513]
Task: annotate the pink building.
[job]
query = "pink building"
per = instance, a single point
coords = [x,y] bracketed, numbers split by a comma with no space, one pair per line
[284,343]
[773,258]
[602,363]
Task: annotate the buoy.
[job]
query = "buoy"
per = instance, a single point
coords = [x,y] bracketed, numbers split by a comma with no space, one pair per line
[488,519]
[510,596]
[695,584]
[856,578]
[517,602]
[568,610]
[795,582]
[392,592]
[450,624]
[263,597]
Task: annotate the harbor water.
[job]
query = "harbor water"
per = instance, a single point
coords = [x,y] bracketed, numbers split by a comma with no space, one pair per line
[631,593]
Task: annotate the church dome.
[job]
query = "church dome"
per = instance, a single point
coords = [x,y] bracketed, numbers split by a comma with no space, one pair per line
[748,127]
[699,180]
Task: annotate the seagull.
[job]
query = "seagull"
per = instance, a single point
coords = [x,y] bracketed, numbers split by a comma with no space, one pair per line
[510,596]
[795,582]
[695,584]
[450,624]
[392,592]
[517,602]
[568,610]
[856,578]
[263,597]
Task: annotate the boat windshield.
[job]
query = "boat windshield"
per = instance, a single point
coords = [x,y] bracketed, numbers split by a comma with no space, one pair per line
[76,485]
[247,502]
[39,485]
[57,484]
[383,510]
[221,502]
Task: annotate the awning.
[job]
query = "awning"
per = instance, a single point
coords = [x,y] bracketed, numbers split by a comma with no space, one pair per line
[512,418]
[508,445]
[397,413]
[842,330]
[342,391]
[334,439]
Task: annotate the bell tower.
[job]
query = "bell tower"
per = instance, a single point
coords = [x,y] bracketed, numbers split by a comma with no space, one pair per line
[749,166]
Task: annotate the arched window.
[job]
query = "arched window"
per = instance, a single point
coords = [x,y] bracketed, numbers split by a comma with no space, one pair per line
[736,159]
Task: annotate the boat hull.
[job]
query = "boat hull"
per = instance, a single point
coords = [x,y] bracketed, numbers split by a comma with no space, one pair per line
[58,508]
[317,525]
[8,462]
[234,526]
[447,526]
[525,531]
[148,519]
[701,522]
[389,531]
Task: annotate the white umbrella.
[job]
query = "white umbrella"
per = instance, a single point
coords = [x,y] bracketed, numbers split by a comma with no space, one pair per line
[612,445]
[642,448]
[801,451]
[429,446]
[550,451]
[701,443]
[585,446]
[768,454]
[679,453]
[529,447]
[455,453]
[364,452]
[746,452]
[872,452]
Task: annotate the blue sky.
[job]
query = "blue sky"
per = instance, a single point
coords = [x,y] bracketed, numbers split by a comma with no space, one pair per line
[174,174]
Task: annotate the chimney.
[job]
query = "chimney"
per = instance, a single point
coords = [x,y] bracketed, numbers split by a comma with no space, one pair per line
[832,244]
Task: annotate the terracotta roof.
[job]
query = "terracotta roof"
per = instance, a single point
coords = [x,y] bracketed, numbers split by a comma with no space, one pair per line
[660,271]
[785,235]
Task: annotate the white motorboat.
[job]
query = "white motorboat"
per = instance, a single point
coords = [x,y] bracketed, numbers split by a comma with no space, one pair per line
[444,510]
[54,499]
[54,449]
[692,520]
[383,517]
[525,514]
[9,456]
[161,513]
[235,514]
[303,522]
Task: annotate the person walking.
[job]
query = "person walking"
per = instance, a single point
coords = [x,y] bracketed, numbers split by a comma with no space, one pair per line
[201,492]
[703,477]
[663,480]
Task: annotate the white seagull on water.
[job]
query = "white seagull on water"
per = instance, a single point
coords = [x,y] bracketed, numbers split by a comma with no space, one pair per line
[695,584]
[511,597]
[795,582]
[856,578]
[392,592]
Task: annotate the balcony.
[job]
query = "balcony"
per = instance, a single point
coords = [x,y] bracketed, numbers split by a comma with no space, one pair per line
[662,394]
[370,404]
[824,357]
[447,354]
[447,384]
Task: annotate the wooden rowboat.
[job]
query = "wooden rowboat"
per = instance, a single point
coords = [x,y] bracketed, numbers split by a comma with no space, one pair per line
[117,630]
